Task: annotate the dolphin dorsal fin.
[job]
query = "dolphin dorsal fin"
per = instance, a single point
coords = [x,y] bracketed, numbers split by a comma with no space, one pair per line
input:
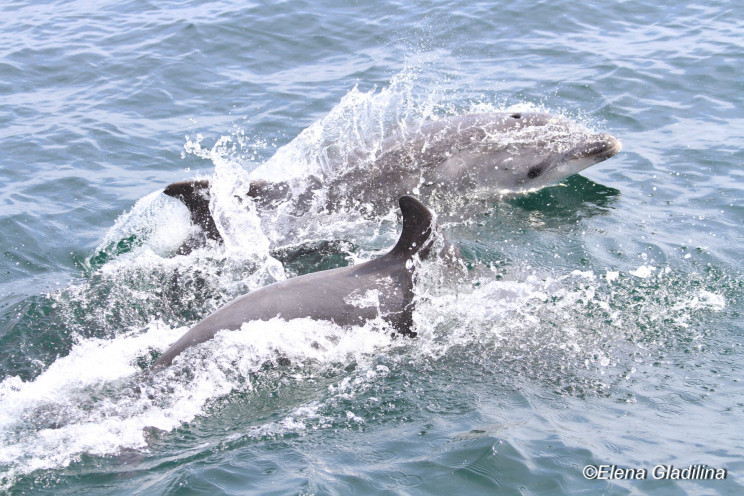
[195,195]
[417,227]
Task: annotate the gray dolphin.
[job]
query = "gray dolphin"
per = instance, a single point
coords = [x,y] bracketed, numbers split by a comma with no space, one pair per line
[339,295]
[461,156]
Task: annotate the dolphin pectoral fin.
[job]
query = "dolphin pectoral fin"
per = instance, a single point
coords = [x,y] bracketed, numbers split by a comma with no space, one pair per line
[195,195]
[417,227]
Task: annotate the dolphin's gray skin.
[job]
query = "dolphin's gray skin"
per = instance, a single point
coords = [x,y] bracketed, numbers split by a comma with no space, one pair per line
[331,294]
[462,156]
[475,153]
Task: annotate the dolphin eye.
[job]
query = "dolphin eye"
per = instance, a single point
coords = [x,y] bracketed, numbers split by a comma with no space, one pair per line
[533,173]
[516,116]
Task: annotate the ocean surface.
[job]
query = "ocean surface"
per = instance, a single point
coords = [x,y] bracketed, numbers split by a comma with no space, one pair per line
[599,325]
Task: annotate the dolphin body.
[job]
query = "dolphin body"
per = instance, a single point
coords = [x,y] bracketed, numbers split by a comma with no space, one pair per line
[339,295]
[456,157]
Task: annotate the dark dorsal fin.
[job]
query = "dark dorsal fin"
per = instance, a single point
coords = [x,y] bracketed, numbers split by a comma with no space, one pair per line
[195,195]
[417,227]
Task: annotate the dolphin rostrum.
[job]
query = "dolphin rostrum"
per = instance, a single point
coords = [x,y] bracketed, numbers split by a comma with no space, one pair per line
[461,156]
[346,296]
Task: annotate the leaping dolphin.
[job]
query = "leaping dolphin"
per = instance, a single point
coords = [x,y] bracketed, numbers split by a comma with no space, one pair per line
[473,154]
[346,296]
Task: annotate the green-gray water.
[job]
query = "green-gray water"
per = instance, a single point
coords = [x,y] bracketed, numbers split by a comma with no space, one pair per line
[604,329]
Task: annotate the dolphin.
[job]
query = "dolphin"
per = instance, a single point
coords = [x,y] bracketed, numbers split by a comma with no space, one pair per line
[346,296]
[456,157]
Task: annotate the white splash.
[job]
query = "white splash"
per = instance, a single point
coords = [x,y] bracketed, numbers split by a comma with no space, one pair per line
[644,271]
[159,222]
[98,401]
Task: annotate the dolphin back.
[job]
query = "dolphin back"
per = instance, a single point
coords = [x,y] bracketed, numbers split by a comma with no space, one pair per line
[330,294]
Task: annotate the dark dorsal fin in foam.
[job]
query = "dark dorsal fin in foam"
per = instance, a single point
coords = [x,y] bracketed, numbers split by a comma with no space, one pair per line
[417,227]
[195,195]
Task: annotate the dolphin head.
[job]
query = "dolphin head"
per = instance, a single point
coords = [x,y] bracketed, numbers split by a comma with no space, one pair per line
[512,152]
[588,149]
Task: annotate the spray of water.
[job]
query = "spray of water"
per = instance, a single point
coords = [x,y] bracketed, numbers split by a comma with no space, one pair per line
[581,331]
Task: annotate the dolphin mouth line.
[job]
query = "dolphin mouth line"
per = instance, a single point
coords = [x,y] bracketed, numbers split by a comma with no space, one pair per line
[605,147]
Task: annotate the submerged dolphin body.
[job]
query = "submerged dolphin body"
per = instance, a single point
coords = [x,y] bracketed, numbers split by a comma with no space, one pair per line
[474,154]
[346,296]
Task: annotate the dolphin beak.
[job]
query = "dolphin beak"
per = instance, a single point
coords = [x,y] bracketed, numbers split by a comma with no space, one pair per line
[602,147]
[593,149]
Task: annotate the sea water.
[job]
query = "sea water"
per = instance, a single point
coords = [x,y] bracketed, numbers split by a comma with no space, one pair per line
[599,326]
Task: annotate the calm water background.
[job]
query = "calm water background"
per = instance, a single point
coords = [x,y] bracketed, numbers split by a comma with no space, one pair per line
[609,330]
